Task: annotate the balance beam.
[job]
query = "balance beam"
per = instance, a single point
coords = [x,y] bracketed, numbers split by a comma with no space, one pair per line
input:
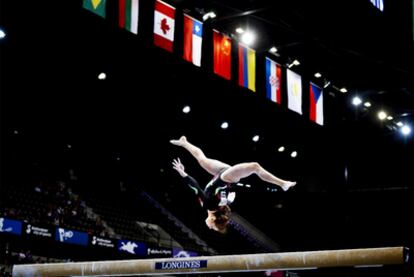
[228,263]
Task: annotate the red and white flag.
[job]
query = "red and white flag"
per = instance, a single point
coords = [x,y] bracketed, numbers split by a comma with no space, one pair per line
[164,25]
[193,37]
[273,81]
[316,104]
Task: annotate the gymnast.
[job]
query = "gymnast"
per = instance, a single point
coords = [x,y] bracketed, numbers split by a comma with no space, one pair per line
[217,195]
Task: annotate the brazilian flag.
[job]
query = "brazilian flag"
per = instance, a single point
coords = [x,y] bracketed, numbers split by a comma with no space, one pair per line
[96,6]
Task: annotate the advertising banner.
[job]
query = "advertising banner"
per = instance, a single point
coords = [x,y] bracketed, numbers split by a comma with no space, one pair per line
[158,252]
[70,236]
[132,247]
[181,253]
[38,231]
[10,226]
[96,241]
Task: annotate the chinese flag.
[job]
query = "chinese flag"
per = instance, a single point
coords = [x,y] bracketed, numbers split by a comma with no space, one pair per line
[222,55]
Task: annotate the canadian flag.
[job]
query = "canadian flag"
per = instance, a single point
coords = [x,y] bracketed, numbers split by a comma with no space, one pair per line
[164,25]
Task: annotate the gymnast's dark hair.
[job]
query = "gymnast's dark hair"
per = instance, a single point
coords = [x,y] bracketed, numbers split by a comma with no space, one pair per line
[222,218]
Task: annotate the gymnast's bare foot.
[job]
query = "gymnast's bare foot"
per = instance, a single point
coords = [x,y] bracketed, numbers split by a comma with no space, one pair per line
[288,185]
[179,142]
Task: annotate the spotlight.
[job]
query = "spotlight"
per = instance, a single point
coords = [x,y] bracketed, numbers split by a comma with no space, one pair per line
[102,76]
[318,75]
[367,104]
[405,130]
[224,125]
[239,30]
[256,138]
[294,154]
[2,34]
[186,109]
[273,50]
[356,101]
[382,115]
[281,149]
[248,38]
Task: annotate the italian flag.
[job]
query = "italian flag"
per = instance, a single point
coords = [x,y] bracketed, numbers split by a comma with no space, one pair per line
[128,15]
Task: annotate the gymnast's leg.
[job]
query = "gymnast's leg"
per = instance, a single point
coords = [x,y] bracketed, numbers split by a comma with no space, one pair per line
[212,166]
[242,170]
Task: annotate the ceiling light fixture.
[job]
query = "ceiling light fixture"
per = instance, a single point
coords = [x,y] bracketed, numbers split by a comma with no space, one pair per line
[240,30]
[405,130]
[382,115]
[248,38]
[356,101]
[102,76]
[209,15]
[295,62]
[367,104]
[186,109]
[224,125]
[273,50]
[2,34]
[326,84]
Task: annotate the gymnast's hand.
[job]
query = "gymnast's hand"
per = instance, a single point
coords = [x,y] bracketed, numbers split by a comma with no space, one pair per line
[179,167]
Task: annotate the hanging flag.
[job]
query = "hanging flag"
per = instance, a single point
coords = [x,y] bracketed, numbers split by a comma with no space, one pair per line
[193,37]
[247,67]
[273,81]
[128,15]
[379,4]
[294,89]
[96,6]
[164,25]
[316,104]
[222,55]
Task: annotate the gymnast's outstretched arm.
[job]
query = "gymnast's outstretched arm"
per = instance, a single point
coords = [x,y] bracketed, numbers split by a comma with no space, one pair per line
[191,182]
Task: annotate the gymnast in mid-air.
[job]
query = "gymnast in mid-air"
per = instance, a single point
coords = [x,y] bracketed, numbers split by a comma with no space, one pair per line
[217,196]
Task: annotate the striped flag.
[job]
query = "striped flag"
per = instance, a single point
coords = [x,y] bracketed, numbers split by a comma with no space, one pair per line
[273,81]
[164,22]
[96,6]
[379,4]
[193,37]
[316,104]
[294,91]
[222,55]
[247,67]
[128,15]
